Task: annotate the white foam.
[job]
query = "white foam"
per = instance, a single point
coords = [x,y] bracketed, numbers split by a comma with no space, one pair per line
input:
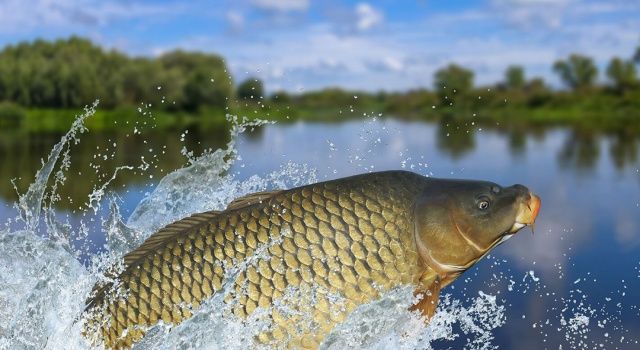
[43,286]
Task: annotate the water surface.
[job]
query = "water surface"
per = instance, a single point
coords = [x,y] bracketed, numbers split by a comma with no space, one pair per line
[572,284]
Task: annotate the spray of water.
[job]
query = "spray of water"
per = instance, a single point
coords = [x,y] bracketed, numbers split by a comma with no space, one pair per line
[43,284]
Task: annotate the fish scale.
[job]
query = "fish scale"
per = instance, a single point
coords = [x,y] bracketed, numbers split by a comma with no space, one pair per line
[339,244]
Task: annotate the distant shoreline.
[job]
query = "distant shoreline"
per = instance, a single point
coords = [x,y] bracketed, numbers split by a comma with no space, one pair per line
[44,84]
[599,114]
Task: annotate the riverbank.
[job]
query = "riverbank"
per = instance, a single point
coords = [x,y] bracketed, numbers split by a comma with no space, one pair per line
[595,111]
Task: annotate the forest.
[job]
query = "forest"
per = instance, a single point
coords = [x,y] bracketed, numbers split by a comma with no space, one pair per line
[42,84]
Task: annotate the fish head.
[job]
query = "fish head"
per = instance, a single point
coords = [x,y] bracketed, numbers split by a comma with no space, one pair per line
[457,222]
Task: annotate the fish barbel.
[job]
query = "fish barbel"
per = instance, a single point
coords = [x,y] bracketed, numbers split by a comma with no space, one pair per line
[354,237]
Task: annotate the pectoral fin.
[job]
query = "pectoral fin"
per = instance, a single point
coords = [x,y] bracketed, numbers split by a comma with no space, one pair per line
[428,294]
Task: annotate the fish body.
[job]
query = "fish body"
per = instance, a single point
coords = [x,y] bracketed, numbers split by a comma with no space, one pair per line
[339,244]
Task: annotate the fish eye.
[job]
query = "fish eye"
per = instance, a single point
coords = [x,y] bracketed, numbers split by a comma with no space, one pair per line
[495,189]
[483,203]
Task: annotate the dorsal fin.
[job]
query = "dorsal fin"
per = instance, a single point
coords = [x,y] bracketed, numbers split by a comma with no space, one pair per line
[252,198]
[152,243]
[158,239]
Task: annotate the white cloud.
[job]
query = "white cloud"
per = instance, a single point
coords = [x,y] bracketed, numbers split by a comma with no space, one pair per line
[532,13]
[393,63]
[18,16]
[406,55]
[367,17]
[235,20]
[531,2]
[281,5]
[341,49]
[354,20]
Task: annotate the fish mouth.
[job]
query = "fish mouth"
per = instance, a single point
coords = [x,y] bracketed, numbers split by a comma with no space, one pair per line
[527,213]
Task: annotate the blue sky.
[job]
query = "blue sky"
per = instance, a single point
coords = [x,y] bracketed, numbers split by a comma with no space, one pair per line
[305,44]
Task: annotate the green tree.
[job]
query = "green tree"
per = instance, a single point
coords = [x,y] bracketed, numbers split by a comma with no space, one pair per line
[636,56]
[206,82]
[281,96]
[140,82]
[514,77]
[251,89]
[578,72]
[537,92]
[453,80]
[71,73]
[622,73]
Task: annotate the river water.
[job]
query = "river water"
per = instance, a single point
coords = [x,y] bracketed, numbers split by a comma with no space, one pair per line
[572,284]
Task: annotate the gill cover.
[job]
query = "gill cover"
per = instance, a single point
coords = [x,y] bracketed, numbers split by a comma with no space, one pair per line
[437,239]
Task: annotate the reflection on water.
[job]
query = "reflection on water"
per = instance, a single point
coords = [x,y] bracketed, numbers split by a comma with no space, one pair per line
[22,156]
[581,262]
[517,141]
[624,150]
[456,139]
[580,151]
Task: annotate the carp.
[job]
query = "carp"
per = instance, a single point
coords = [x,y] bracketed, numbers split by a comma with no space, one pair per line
[355,237]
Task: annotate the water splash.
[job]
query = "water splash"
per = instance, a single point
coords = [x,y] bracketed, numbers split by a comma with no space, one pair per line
[30,204]
[44,285]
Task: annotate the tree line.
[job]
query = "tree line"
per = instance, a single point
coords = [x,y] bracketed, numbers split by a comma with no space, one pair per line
[611,104]
[73,72]
[577,72]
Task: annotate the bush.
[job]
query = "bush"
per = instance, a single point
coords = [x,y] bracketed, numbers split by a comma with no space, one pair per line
[11,114]
[251,89]
[74,72]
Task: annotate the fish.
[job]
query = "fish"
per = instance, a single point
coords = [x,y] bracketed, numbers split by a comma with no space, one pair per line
[340,243]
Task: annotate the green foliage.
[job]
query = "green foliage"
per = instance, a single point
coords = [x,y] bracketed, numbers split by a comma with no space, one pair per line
[622,74]
[578,72]
[416,102]
[537,92]
[280,96]
[251,89]
[10,114]
[54,79]
[62,73]
[453,80]
[74,72]
[514,77]
[195,80]
[332,97]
